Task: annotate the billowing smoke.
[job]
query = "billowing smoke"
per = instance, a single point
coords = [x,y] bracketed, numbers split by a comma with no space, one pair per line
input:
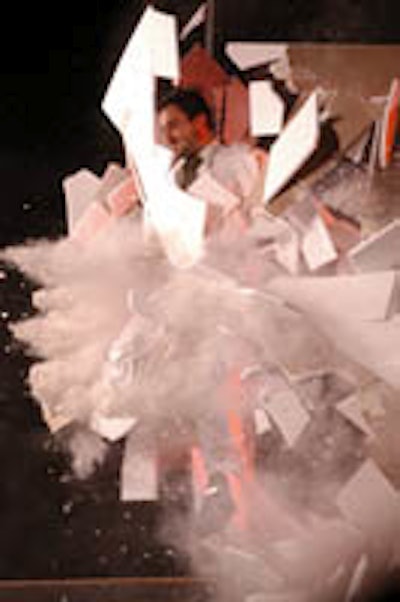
[288,498]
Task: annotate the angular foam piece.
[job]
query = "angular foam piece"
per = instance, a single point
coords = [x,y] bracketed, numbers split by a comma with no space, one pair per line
[95,219]
[261,421]
[198,17]
[139,473]
[111,428]
[266,109]
[208,188]
[179,220]
[152,51]
[294,146]
[394,303]
[113,175]
[350,408]
[357,578]
[289,415]
[315,241]
[380,251]
[123,198]
[80,190]
[369,501]
[251,54]
[361,297]
[317,246]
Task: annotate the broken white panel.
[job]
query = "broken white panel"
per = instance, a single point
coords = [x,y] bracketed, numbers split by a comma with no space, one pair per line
[369,501]
[278,234]
[210,190]
[267,109]
[380,251]
[287,248]
[261,422]
[195,21]
[288,255]
[139,127]
[376,345]
[179,220]
[350,408]
[372,399]
[252,568]
[80,189]
[289,415]
[155,34]
[317,246]
[55,420]
[250,54]
[373,344]
[113,175]
[95,219]
[380,344]
[123,198]
[294,146]
[357,579]
[152,51]
[274,383]
[139,472]
[394,302]
[361,297]
[124,91]
[110,427]
[158,31]
[176,216]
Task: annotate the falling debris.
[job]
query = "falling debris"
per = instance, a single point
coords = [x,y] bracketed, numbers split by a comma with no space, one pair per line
[240,351]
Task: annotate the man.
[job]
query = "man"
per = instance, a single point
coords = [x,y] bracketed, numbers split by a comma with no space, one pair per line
[187,127]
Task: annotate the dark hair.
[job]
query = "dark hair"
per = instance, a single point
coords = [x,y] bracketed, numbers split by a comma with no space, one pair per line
[191,102]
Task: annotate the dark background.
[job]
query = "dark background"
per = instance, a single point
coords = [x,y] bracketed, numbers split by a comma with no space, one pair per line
[56,60]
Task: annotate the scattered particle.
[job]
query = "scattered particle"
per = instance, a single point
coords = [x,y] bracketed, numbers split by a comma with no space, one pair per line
[67,507]
[5,315]
[97,532]
[3,275]
[124,549]
[103,560]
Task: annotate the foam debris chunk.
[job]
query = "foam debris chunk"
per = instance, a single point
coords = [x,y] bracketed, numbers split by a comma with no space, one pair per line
[294,146]
[139,473]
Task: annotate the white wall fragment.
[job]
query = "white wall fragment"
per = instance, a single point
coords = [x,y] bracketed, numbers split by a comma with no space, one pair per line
[266,109]
[139,472]
[294,146]
[289,415]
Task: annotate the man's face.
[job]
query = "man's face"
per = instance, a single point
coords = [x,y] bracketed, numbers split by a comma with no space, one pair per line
[178,132]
